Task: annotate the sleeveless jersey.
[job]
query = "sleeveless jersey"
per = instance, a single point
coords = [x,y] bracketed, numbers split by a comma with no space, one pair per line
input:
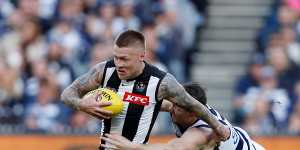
[141,105]
[238,140]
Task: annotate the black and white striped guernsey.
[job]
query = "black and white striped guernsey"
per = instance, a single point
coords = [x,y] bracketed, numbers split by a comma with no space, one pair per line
[238,140]
[141,107]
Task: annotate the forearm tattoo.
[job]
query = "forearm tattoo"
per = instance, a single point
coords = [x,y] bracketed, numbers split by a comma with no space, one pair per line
[87,82]
[171,90]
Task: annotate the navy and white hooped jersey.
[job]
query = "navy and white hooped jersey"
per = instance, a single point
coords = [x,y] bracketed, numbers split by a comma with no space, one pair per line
[141,105]
[238,140]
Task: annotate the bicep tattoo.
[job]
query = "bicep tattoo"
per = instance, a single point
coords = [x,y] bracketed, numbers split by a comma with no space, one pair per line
[173,91]
[88,81]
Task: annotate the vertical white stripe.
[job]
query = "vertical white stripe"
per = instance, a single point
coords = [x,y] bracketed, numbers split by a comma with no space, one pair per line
[118,121]
[245,147]
[246,139]
[147,114]
[109,72]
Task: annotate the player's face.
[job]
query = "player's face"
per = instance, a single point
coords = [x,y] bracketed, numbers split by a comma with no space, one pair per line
[128,61]
[179,115]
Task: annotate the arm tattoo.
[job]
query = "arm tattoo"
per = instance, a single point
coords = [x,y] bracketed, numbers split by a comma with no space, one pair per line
[87,82]
[171,90]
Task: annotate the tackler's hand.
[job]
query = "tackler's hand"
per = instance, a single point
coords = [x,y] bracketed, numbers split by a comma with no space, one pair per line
[223,132]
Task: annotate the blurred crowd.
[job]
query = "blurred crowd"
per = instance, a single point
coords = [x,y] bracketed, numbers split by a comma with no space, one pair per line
[267,97]
[46,44]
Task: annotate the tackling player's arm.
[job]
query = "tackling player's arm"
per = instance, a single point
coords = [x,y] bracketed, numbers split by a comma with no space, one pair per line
[193,138]
[171,90]
[91,80]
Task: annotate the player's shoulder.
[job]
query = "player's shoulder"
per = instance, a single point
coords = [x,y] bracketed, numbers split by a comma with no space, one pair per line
[109,63]
[168,79]
[200,124]
[169,87]
[155,71]
[196,137]
[99,66]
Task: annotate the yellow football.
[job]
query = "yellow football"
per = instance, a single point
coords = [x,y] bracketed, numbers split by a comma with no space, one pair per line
[109,95]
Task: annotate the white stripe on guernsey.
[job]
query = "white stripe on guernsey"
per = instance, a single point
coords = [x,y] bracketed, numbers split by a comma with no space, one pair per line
[208,106]
[109,72]
[218,115]
[144,123]
[245,146]
[198,123]
[117,122]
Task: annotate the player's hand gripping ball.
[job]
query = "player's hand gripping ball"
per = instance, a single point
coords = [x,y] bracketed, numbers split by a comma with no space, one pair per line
[109,95]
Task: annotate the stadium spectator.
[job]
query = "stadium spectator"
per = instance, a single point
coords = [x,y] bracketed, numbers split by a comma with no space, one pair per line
[101,52]
[73,13]
[287,72]
[30,8]
[250,79]
[171,34]
[289,38]
[42,115]
[57,65]
[266,106]
[108,26]
[284,17]
[10,94]
[152,45]
[294,120]
[127,18]
[38,70]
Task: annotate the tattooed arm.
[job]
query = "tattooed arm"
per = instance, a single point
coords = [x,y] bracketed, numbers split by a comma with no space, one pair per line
[91,80]
[171,90]
[166,106]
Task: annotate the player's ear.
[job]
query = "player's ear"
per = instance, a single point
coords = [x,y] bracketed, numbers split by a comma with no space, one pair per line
[142,55]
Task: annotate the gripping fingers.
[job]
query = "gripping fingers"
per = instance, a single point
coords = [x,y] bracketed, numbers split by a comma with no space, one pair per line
[104,112]
[223,132]
[104,103]
[111,141]
[99,115]
[109,147]
[114,137]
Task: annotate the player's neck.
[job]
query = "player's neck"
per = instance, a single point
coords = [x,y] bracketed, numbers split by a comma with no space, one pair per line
[188,122]
[140,69]
[192,121]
